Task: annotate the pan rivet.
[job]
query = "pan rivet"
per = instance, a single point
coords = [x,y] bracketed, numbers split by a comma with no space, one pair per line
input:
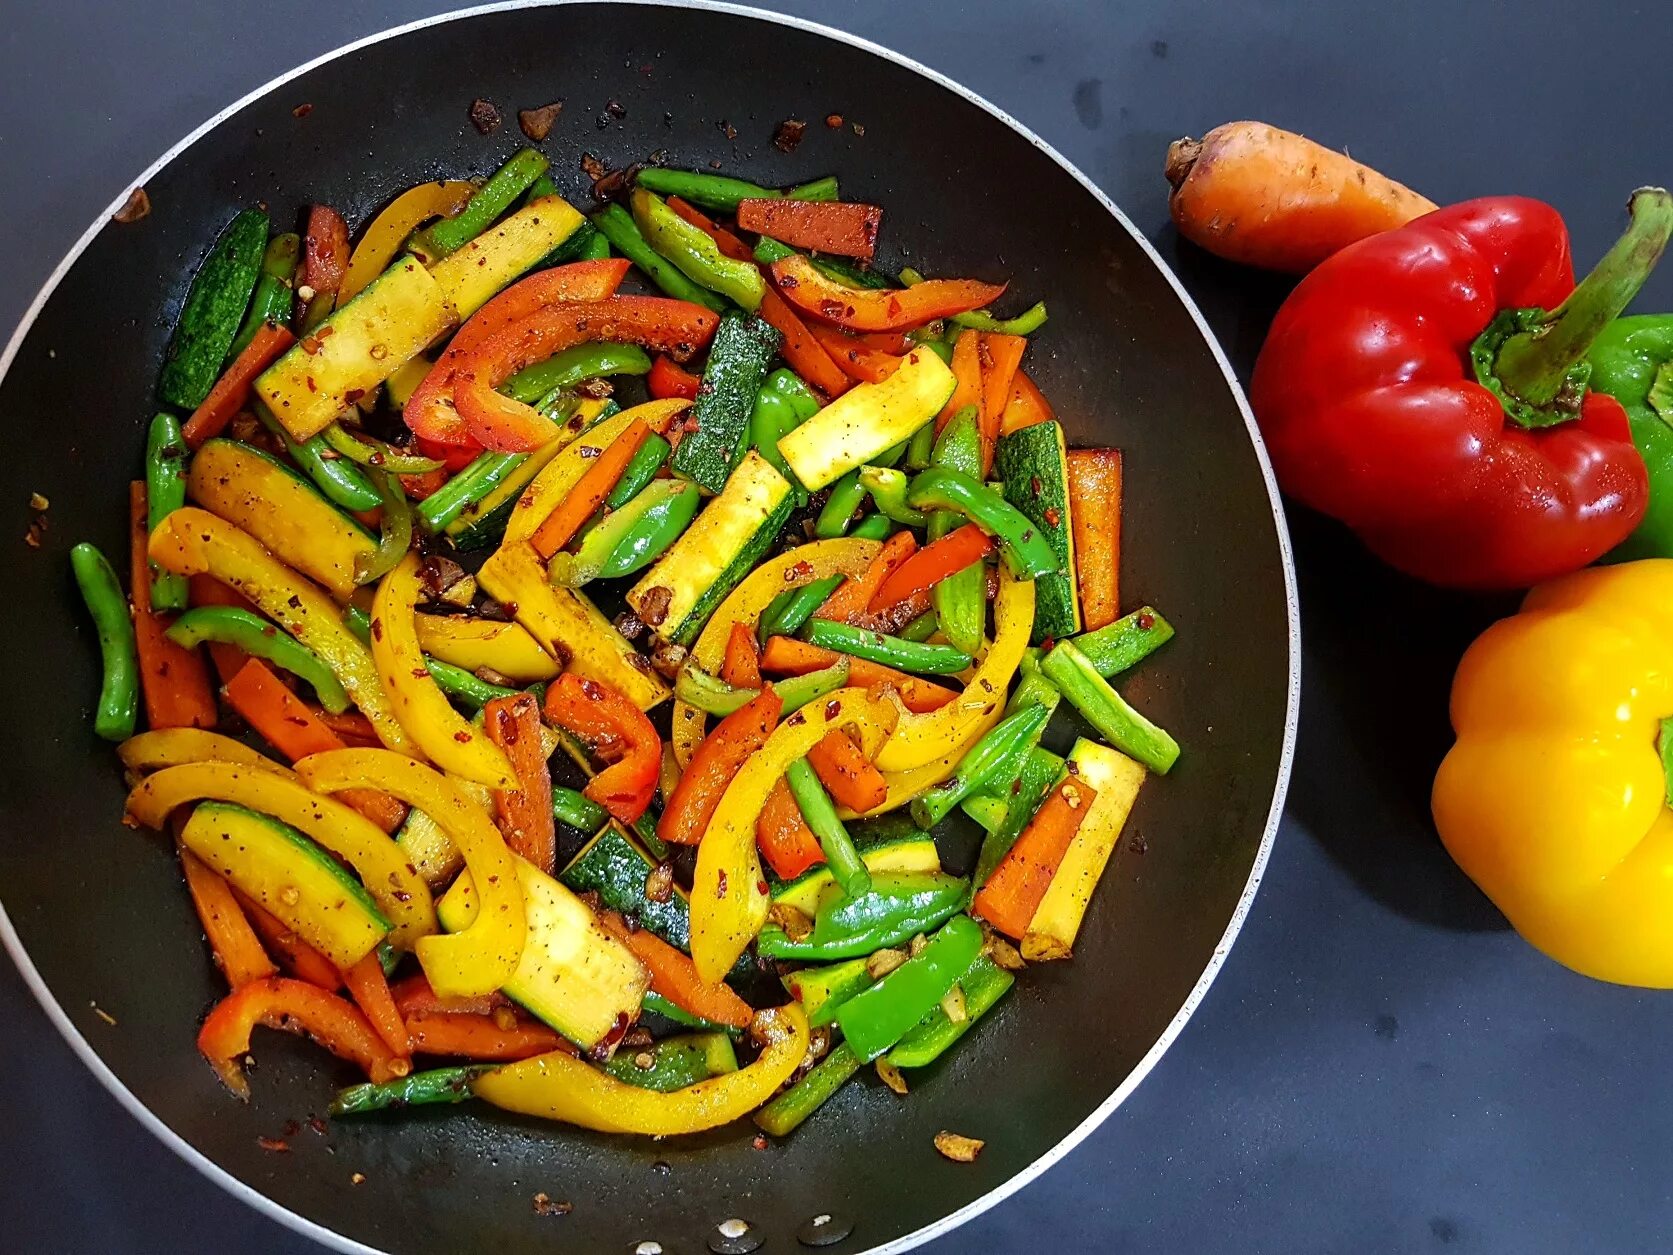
[648,1248]
[824,1230]
[734,1237]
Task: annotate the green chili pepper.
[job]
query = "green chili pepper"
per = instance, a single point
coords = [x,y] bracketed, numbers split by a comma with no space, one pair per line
[675,1062]
[1104,708]
[961,598]
[879,1017]
[697,688]
[617,226]
[490,200]
[1026,552]
[417,1089]
[722,194]
[394,530]
[566,369]
[996,756]
[921,628]
[903,655]
[779,1117]
[983,984]
[631,537]
[1125,643]
[118,708]
[658,1005]
[640,470]
[462,686]
[465,489]
[375,453]
[786,613]
[165,492]
[343,482]
[887,487]
[1041,770]
[820,813]
[572,807]
[272,301]
[899,907]
[233,625]
[822,990]
[782,404]
[873,527]
[695,252]
[1025,323]
[921,448]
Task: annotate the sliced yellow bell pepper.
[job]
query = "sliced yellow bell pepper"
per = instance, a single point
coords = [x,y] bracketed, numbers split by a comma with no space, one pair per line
[383,241]
[191,541]
[1554,797]
[481,958]
[921,739]
[746,603]
[419,704]
[476,643]
[169,747]
[729,898]
[493,259]
[400,893]
[558,1087]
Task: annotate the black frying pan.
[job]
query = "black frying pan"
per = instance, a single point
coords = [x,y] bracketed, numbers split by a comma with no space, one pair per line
[96,913]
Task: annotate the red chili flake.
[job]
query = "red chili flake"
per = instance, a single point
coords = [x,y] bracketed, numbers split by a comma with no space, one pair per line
[547,1206]
[377,629]
[1145,622]
[537,123]
[728,130]
[1054,516]
[720,885]
[302,110]
[137,206]
[317,1125]
[463,737]
[277,1145]
[1034,485]
[759,1141]
[485,116]
[761,887]
[833,708]
[833,120]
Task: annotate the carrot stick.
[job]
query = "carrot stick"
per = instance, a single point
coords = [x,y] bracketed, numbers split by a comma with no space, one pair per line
[1011,895]
[482,1037]
[370,990]
[414,996]
[233,943]
[524,813]
[297,957]
[856,360]
[1254,194]
[932,564]
[351,726]
[847,774]
[718,759]
[1026,406]
[854,594]
[589,492]
[1095,518]
[845,228]
[784,838]
[674,975]
[232,389]
[967,372]
[283,720]
[173,679]
[741,667]
[206,590]
[999,356]
[785,655]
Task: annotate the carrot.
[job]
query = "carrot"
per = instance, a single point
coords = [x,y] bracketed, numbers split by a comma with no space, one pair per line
[524,813]
[297,957]
[1095,518]
[414,997]
[589,492]
[967,372]
[352,726]
[741,667]
[232,389]
[483,1037]
[370,990]
[854,594]
[932,564]
[784,838]
[999,356]
[1026,406]
[1012,894]
[846,228]
[173,679]
[807,357]
[717,760]
[785,655]
[847,774]
[284,721]
[674,975]
[1254,194]
[856,360]
[233,943]
[206,590]
[669,379]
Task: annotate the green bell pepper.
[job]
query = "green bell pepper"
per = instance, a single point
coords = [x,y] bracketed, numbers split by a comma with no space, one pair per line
[983,984]
[874,1020]
[233,625]
[961,598]
[899,906]
[695,252]
[631,537]
[1632,361]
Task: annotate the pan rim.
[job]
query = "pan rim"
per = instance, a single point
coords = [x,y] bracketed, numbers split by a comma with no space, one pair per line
[330,1238]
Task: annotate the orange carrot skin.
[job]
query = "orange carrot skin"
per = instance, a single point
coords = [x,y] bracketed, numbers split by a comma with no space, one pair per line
[1262,196]
[785,655]
[1095,517]
[482,1037]
[587,495]
[854,594]
[998,356]
[674,976]
[741,667]
[1027,405]
[173,679]
[1012,894]
[524,813]
[234,944]
[232,389]
[719,757]
[370,989]
[784,838]
[846,773]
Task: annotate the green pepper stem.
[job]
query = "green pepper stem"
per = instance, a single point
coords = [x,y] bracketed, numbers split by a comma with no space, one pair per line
[1542,364]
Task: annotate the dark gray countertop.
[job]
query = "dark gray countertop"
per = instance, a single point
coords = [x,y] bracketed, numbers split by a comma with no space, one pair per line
[1382,1066]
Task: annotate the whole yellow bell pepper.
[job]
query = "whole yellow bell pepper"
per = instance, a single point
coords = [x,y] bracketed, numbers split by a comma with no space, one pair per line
[1554,798]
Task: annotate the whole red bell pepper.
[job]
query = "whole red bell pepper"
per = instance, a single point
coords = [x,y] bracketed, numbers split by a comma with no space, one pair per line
[616,731]
[1427,386]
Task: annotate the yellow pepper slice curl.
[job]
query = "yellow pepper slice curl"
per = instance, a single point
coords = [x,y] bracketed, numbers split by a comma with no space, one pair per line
[903,786]
[746,603]
[191,541]
[384,239]
[419,704]
[921,739]
[474,644]
[729,895]
[481,958]
[381,865]
[558,1086]
[1553,799]
[169,747]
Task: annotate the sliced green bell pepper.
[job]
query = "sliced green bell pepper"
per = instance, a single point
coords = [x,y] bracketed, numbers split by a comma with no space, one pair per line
[877,1018]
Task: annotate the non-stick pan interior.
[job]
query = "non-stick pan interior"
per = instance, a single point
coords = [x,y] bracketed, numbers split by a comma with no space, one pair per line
[100,908]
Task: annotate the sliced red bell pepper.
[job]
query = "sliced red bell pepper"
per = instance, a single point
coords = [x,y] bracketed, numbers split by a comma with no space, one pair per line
[1095,518]
[717,759]
[669,379]
[502,1038]
[783,837]
[325,250]
[853,356]
[674,975]
[853,596]
[502,423]
[578,504]
[173,679]
[967,374]
[296,1007]
[232,389]
[233,943]
[813,292]
[616,730]
[741,667]
[453,457]
[1025,407]
[369,988]
[524,813]
[846,228]
[1012,894]
[930,565]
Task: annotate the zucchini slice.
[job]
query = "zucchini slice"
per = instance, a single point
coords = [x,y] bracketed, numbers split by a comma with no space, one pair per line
[212,312]
[614,866]
[742,350]
[471,276]
[890,843]
[1032,464]
[867,420]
